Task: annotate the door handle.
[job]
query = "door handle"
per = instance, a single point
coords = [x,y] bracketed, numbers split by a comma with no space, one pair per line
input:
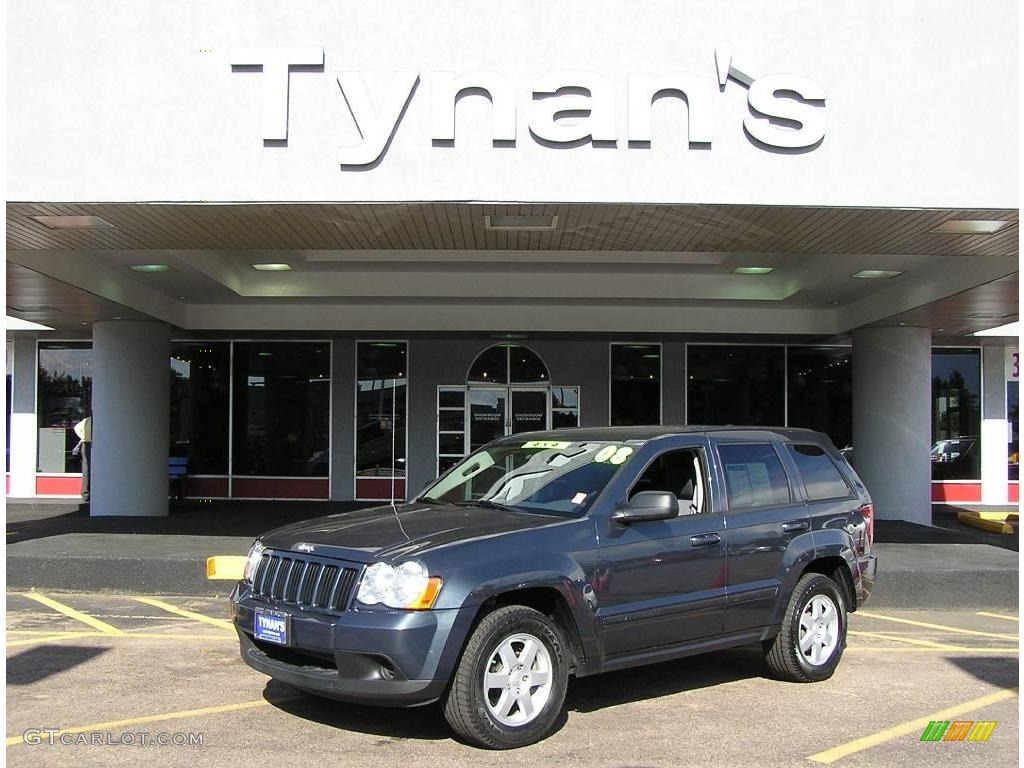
[795,525]
[705,539]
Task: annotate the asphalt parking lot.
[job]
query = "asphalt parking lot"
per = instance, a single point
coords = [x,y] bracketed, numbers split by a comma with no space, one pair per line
[111,675]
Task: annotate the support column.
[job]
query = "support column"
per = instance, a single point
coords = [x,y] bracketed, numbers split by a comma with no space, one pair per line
[343,358]
[131,418]
[994,427]
[23,419]
[892,420]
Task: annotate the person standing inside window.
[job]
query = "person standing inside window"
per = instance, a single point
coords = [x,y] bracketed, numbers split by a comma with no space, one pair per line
[84,431]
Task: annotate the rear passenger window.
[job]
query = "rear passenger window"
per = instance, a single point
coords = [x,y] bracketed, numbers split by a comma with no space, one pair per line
[821,478]
[754,476]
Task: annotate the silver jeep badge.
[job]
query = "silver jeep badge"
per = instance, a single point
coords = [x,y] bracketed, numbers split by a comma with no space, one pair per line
[303,547]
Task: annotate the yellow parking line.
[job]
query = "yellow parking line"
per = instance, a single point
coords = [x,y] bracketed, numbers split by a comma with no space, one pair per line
[45,638]
[911,726]
[61,636]
[952,649]
[67,610]
[187,614]
[942,627]
[998,616]
[114,724]
[47,632]
[910,641]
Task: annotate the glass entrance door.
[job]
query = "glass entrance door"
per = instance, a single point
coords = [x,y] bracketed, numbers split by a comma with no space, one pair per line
[470,417]
[528,411]
[487,415]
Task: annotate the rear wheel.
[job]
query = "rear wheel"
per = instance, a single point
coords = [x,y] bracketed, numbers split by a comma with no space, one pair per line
[811,640]
[510,684]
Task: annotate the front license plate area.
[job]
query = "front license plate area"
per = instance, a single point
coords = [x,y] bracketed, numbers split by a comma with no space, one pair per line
[272,626]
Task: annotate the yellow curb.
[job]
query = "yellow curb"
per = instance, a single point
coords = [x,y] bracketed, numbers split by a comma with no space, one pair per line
[228,567]
[987,522]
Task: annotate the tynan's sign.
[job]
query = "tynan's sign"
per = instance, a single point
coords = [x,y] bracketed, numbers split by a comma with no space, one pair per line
[565,107]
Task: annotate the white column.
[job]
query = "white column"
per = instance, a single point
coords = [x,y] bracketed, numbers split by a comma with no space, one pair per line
[23,419]
[892,420]
[131,418]
[994,427]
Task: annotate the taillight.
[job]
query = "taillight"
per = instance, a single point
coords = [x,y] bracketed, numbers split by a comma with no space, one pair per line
[868,513]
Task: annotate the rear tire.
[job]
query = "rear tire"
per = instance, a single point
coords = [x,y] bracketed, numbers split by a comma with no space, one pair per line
[510,684]
[812,638]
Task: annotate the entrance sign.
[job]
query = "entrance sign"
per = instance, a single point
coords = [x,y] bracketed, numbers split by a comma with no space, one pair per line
[563,107]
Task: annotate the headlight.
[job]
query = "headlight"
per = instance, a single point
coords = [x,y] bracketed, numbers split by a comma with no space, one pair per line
[255,553]
[407,585]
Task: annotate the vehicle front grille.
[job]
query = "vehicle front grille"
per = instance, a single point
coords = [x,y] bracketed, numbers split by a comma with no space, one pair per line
[304,581]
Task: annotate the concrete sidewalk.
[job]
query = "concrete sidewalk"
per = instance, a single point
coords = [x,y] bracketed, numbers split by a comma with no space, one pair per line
[54,546]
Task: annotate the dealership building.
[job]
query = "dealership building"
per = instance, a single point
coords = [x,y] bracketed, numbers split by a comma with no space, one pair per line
[323,251]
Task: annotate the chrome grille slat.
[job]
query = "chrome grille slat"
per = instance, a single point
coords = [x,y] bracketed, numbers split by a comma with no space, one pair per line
[304,581]
[330,573]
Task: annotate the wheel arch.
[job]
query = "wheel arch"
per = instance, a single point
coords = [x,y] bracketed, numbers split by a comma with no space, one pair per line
[836,568]
[546,599]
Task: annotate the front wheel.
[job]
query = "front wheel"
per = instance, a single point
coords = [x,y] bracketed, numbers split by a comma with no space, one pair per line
[813,633]
[510,684]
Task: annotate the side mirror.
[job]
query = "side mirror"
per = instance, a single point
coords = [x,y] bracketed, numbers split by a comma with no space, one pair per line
[648,505]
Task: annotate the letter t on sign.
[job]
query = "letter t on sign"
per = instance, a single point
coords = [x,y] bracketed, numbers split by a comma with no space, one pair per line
[275,63]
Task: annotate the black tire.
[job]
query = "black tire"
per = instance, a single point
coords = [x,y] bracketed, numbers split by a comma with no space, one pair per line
[783,653]
[465,708]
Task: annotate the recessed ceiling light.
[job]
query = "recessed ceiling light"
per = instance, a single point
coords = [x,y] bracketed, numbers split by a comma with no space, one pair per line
[1010,329]
[149,267]
[969,227]
[27,308]
[73,222]
[753,270]
[873,274]
[272,267]
[17,324]
[521,223]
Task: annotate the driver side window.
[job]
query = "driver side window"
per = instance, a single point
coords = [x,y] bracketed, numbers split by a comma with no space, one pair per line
[680,473]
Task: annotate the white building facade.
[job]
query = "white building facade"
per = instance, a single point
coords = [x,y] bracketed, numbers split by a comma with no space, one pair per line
[367,238]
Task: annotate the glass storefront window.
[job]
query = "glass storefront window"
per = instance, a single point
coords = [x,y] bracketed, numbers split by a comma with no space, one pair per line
[281,409]
[956,414]
[64,397]
[451,427]
[635,384]
[508,364]
[200,378]
[381,385]
[735,385]
[1013,417]
[10,398]
[565,407]
[820,391]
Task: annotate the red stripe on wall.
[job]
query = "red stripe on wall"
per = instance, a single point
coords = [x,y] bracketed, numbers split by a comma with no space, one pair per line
[58,486]
[957,492]
[1013,492]
[205,487]
[280,488]
[379,488]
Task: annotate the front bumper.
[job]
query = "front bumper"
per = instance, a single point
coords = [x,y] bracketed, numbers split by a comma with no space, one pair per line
[387,658]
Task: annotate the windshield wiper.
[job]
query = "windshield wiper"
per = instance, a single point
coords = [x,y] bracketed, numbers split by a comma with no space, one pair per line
[487,504]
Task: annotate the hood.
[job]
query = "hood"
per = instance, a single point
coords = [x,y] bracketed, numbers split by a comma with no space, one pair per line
[404,530]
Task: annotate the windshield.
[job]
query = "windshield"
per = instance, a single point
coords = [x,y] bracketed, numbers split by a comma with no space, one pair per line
[547,476]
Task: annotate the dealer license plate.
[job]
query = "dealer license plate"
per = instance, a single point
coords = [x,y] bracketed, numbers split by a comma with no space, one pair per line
[271,626]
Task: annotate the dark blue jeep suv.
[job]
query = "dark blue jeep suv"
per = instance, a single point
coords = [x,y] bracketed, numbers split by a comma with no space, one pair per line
[550,554]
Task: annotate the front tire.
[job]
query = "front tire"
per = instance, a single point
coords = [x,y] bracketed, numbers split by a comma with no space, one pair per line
[510,684]
[812,638]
